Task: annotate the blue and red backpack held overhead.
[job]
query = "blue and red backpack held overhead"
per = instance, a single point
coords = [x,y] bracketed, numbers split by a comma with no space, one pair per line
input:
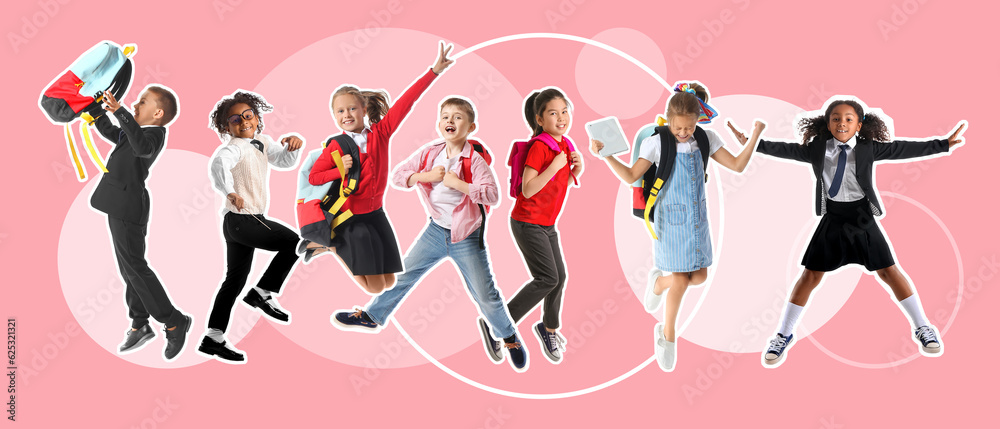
[645,190]
[477,148]
[79,90]
[519,154]
[321,209]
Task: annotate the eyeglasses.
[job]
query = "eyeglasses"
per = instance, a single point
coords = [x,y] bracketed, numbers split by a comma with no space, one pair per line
[236,119]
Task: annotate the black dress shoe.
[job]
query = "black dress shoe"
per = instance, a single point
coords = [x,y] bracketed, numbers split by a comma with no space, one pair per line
[210,347]
[176,338]
[134,340]
[302,246]
[254,300]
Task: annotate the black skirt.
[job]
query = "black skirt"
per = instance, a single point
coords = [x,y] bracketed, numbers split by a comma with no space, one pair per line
[847,234]
[367,244]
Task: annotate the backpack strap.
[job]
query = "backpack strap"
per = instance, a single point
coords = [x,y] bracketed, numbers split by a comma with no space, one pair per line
[477,148]
[668,153]
[348,181]
[704,145]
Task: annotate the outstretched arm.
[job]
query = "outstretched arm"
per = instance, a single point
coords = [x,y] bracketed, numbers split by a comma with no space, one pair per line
[739,163]
[628,174]
[792,151]
[901,149]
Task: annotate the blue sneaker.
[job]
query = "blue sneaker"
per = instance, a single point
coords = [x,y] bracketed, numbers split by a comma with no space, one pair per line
[494,348]
[551,343]
[357,321]
[775,352]
[518,355]
[929,343]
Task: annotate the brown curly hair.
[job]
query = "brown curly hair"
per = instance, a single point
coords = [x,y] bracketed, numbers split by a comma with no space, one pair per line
[817,128]
[219,119]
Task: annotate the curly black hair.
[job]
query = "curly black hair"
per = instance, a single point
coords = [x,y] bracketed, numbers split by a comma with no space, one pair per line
[818,128]
[219,119]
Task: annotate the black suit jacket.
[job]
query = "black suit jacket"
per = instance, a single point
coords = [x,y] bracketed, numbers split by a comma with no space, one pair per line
[122,190]
[866,153]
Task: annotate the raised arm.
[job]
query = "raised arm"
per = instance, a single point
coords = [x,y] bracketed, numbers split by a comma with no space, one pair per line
[739,163]
[398,111]
[902,149]
[285,154]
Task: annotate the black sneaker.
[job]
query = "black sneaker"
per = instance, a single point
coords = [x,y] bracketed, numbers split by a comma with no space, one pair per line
[176,338]
[551,343]
[354,321]
[775,352]
[518,355]
[134,340]
[223,352]
[494,348]
[929,343]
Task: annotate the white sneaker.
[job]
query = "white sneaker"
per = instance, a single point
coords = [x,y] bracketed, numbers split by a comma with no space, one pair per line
[651,300]
[666,351]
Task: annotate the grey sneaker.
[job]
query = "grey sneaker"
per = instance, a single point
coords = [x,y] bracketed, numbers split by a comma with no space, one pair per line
[494,348]
[551,342]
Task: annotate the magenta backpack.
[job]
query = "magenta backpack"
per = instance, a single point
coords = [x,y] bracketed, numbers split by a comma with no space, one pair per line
[519,153]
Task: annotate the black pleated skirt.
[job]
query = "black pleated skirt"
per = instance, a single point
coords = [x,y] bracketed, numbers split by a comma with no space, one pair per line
[367,244]
[848,234]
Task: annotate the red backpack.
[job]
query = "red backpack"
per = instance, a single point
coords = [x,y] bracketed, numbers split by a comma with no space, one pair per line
[477,148]
[519,153]
[78,91]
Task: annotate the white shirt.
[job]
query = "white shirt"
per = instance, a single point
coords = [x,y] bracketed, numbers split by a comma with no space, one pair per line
[361,139]
[228,155]
[650,147]
[850,190]
[443,198]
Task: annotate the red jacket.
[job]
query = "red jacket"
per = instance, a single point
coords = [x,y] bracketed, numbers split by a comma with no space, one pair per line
[374,163]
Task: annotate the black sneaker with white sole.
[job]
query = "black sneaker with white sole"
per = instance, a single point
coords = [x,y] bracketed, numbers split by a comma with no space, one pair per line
[928,340]
[551,342]
[775,352]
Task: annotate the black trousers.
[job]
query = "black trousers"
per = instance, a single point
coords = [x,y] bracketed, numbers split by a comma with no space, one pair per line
[243,235]
[144,294]
[542,253]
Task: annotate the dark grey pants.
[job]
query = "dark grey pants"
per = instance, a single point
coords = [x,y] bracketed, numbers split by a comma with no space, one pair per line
[543,254]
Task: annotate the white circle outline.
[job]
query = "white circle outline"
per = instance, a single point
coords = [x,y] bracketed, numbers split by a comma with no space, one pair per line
[954,313]
[611,382]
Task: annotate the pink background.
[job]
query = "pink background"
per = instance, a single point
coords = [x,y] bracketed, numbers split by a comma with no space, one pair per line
[854,369]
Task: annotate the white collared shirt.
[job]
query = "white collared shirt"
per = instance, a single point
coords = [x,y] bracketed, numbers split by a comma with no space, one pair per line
[850,189]
[361,139]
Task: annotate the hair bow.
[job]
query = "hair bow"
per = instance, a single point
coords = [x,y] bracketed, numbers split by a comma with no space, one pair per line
[707,112]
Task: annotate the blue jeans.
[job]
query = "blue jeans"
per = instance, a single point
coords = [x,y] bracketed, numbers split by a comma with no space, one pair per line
[473,263]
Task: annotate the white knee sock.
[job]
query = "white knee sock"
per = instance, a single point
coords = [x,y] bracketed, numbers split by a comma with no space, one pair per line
[913,309]
[789,319]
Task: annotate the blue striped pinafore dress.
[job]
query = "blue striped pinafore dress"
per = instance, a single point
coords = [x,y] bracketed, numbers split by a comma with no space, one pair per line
[681,220]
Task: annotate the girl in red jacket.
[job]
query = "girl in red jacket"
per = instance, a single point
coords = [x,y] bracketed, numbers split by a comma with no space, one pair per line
[366,242]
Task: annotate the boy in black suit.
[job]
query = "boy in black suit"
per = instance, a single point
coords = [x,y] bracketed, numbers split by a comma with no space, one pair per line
[122,195]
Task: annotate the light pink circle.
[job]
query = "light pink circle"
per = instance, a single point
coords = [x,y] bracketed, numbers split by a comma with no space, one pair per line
[613,86]
[183,245]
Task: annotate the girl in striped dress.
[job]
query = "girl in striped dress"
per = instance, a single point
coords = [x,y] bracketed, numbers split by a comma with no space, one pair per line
[682,245]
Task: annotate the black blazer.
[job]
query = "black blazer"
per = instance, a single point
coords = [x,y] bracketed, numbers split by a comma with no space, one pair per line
[122,190]
[866,153]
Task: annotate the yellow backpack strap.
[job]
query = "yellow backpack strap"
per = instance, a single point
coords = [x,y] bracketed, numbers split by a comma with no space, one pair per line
[649,205]
[76,158]
[94,155]
[347,187]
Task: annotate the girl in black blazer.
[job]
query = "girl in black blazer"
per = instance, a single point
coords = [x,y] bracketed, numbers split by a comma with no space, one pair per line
[842,145]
